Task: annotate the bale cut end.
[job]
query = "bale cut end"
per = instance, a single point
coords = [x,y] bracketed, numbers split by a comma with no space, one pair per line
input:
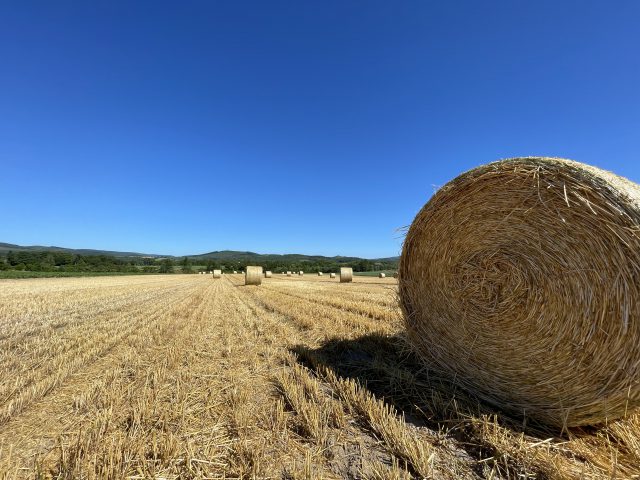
[346,274]
[253,276]
[530,266]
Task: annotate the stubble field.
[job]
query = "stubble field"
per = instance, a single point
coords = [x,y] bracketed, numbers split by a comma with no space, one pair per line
[184,376]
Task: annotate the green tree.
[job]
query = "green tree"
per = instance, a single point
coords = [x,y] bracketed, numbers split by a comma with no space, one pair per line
[166,266]
[186,265]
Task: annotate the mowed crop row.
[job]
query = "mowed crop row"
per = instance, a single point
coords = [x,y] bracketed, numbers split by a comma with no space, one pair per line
[303,377]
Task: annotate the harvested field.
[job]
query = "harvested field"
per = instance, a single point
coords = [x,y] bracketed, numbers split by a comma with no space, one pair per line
[180,376]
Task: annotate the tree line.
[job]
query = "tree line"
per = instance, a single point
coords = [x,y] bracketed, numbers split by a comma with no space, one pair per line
[48,261]
[51,261]
[312,266]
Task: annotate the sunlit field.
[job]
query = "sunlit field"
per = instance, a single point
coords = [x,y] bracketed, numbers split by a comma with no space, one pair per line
[186,376]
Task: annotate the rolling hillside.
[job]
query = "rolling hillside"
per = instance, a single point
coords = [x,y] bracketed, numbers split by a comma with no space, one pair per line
[223,255]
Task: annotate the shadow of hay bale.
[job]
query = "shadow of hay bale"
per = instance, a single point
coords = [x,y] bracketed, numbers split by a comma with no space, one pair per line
[386,367]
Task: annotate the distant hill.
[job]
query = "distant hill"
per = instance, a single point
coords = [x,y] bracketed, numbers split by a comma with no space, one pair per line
[389,259]
[223,255]
[6,247]
[232,255]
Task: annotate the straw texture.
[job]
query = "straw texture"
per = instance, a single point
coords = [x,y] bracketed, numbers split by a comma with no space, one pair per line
[253,276]
[521,280]
[217,273]
[346,274]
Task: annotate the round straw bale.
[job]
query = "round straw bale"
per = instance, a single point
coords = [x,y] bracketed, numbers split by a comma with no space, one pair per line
[235,271]
[217,273]
[332,275]
[346,274]
[253,276]
[300,273]
[288,273]
[521,280]
[381,275]
[267,274]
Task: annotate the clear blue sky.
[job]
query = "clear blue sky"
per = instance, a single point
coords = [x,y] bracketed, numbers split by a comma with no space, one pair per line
[310,127]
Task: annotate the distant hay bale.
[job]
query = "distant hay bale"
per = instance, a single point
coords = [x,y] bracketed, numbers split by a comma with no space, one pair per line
[235,271]
[300,273]
[267,274]
[520,279]
[381,275]
[346,274]
[217,273]
[332,275]
[320,274]
[253,276]
[288,273]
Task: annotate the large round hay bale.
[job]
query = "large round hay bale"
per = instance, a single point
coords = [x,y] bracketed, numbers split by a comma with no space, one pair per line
[301,273]
[253,276]
[217,273]
[267,274]
[346,274]
[288,273]
[332,275]
[320,274]
[521,280]
[235,271]
[381,275]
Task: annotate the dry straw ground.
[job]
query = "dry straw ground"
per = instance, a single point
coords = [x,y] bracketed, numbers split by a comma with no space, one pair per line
[190,377]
